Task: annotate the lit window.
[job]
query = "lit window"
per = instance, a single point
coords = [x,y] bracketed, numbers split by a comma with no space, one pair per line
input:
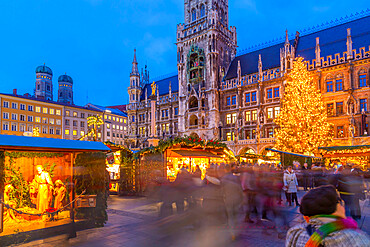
[67,113]
[51,120]
[254,115]
[114,126]
[230,136]
[233,118]
[75,114]
[270,132]
[57,112]
[45,110]
[51,111]
[330,109]
[38,109]
[269,93]
[105,116]
[270,113]
[74,132]
[228,119]
[66,132]
[109,117]
[125,121]
[362,80]
[38,120]
[339,85]
[114,118]
[121,120]
[82,133]
[125,128]
[340,131]
[329,86]
[108,126]
[99,135]
[277,111]
[248,116]
[121,127]
[59,122]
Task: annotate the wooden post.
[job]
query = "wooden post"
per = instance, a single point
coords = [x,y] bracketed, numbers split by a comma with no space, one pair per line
[72,233]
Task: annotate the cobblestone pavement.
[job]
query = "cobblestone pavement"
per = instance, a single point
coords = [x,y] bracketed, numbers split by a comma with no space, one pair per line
[133,222]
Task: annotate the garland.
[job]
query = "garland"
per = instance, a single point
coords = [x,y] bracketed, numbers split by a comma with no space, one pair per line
[16,155]
[185,141]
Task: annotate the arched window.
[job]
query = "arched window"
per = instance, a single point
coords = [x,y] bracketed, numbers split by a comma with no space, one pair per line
[362,78]
[202,10]
[193,14]
[329,84]
[193,102]
[193,120]
[339,83]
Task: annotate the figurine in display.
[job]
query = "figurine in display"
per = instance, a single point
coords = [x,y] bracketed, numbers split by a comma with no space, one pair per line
[59,193]
[45,188]
[9,215]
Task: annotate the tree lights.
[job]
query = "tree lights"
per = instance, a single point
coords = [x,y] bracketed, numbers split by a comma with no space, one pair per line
[303,118]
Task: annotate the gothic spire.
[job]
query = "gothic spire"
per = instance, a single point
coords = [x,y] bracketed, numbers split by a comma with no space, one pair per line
[349,44]
[135,70]
[260,67]
[286,37]
[317,52]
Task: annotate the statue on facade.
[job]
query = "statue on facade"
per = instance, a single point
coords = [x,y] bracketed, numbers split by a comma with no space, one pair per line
[154,88]
[59,193]
[45,188]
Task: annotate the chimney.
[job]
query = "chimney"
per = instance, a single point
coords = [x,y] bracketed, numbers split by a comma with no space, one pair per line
[15,91]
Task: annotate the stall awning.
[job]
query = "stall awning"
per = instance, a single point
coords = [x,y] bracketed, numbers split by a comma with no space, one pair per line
[191,153]
[300,155]
[345,151]
[48,144]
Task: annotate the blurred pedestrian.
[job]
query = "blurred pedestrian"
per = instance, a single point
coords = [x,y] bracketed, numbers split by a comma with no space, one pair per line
[291,186]
[326,222]
[306,176]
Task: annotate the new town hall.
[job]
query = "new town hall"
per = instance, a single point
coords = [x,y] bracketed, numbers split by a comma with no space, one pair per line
[217,94]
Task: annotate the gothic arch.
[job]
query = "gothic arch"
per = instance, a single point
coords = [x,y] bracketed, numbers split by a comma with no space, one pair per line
[194,135]
[247,150]
[193,120]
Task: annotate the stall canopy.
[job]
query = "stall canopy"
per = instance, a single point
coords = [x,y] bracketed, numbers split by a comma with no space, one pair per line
[295,154]
[48,144]
[188,153]
[345,151]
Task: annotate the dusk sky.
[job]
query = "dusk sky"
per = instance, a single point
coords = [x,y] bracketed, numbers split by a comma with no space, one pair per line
[93,40]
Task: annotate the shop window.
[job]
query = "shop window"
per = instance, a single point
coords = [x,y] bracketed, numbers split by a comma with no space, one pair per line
[339,107]
[269,93]
[363,105]
[362,80]
[329,86]
[330,109]
[339,85]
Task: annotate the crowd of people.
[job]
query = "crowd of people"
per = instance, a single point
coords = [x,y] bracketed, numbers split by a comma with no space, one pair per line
[259,192]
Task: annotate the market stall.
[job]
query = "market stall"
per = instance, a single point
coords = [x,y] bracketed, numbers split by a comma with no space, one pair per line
[356,156]
[119,166]
[171,155]
[41,179]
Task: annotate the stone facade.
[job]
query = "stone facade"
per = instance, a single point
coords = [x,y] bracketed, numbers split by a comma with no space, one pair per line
[236,98]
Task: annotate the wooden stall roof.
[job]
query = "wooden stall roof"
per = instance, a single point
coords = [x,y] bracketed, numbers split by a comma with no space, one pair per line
[300,155]
[193,153]
[9,142]
[345,151]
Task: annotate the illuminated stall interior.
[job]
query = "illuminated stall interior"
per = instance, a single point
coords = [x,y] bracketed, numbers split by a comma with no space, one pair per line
[178,158]
[37,180]
[356,156]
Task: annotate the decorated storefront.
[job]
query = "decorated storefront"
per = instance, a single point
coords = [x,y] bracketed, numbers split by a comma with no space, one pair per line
[47,184]
[355,156]
[120,169]
[172,155]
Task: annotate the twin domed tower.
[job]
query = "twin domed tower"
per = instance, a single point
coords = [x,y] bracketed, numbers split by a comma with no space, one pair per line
[44,85]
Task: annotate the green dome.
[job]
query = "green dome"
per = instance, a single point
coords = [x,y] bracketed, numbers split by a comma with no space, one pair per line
[44,69]
[65,78]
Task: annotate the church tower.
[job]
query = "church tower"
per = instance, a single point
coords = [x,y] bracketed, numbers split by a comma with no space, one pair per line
[44,84]
[65,91]
[134,91]
[205,48]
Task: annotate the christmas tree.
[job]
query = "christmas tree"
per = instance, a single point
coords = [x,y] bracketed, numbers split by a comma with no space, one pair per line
[303,117]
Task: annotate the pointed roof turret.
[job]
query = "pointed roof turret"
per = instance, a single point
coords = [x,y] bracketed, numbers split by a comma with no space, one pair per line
[260,67]
[286,37]
[135,70]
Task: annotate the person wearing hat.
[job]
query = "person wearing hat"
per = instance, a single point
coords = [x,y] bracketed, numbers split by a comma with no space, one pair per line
[326,222]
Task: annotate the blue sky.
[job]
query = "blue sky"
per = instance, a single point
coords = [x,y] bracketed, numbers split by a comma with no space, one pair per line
[93,40]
